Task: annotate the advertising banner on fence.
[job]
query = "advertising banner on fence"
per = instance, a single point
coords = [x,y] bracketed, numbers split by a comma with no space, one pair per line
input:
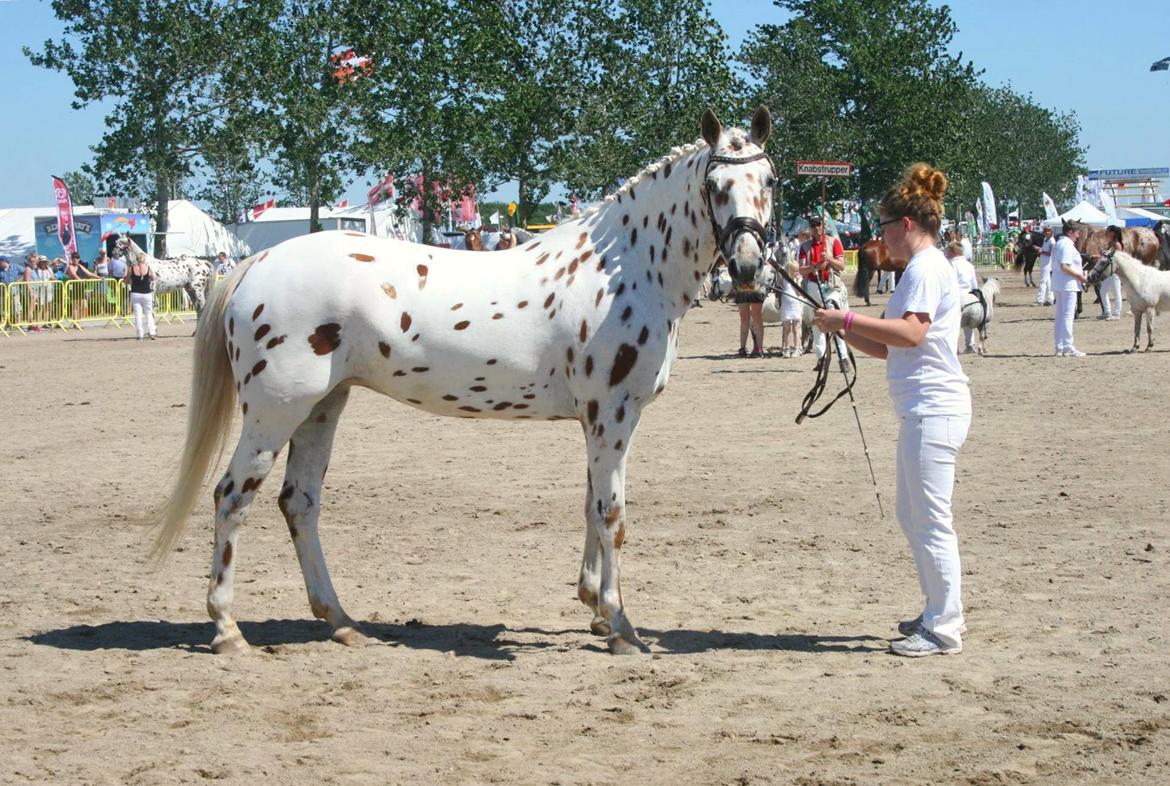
[824,168]
[64,217]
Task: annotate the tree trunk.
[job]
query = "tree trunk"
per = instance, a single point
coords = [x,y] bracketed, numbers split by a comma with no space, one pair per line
[314,198]
[425,202]
[162,195]
[522,209]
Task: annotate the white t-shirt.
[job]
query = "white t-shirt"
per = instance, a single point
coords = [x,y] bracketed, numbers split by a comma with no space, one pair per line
[965,272]
[968,252]
[927,379]
[1046,251]
[1065,253]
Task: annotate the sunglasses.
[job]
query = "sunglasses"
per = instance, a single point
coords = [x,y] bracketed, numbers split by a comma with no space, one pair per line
[890,221]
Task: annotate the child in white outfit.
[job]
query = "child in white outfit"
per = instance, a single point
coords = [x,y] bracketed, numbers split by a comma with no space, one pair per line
[791,313]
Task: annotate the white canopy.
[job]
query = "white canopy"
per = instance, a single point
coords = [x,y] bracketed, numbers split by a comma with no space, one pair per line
[17,235]
[1085,213]
[192,232]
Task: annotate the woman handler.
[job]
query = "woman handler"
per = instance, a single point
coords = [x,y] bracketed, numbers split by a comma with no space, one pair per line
[918,338]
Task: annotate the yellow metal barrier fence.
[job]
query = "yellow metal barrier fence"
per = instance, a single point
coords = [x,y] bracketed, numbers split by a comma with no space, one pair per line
[36,304]
[171,306]
[93,301]
[4,309]
[851,258]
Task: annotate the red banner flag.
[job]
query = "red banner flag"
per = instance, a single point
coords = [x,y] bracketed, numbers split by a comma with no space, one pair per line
[260,208]
[64,217]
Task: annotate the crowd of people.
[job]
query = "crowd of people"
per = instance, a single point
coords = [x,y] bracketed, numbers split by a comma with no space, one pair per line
[39,273]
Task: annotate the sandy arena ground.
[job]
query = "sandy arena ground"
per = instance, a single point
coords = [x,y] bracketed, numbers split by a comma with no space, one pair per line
[756,567]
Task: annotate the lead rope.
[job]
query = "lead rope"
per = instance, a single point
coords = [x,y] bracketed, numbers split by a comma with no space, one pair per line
[822,379]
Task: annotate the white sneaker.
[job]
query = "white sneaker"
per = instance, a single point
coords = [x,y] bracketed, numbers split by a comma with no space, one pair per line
[921,644]
[1074,353]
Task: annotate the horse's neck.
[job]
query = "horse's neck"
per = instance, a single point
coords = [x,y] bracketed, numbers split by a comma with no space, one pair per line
[660,226]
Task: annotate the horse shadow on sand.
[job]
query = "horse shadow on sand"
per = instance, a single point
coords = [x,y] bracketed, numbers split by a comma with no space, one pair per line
[487,642]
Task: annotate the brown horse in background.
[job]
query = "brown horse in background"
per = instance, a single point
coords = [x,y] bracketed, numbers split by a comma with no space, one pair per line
[473,239]
[507,239]
[1141,243]
[874,256]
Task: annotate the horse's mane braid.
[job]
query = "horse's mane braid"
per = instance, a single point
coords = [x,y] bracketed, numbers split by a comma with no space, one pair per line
[676,154]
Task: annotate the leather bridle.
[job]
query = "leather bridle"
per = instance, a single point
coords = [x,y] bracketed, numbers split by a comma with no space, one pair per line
[725,236]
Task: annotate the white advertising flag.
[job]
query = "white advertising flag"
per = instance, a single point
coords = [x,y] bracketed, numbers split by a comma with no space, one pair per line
[989,204]
[1049,207]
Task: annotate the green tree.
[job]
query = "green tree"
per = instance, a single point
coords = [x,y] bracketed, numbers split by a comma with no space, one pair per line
[870,81]
[82,186]
[157,60]
[423,115]
[655,65]
[303,96]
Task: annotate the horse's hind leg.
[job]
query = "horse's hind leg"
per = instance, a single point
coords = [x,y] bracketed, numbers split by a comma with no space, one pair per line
[1150,328]
[300,502]
[250,465]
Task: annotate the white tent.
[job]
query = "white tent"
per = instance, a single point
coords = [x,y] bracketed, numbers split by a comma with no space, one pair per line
[277,224]
[17,235]
[192,232]
[1085,213]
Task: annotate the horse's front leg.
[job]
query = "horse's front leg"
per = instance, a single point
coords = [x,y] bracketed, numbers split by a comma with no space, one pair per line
[608,431]
[1137,331]
[589,580]
[1150,328]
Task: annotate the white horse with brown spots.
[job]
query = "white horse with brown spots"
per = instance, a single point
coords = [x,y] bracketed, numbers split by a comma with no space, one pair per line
[579,324]
[190,274]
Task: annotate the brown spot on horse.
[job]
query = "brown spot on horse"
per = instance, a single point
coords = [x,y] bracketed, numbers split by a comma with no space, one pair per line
[623,361]
[326,338]
[362,257]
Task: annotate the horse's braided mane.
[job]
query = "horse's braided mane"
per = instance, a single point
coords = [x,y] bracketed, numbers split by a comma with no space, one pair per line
[676,154]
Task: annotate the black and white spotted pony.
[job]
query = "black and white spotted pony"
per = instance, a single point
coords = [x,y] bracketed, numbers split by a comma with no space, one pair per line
[190,274]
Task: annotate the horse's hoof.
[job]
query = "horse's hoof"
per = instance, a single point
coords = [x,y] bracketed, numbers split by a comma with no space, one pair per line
[231,644]
[349,635]
[621,646]
[600,626]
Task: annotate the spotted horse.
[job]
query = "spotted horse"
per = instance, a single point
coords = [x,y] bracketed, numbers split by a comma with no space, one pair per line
[580,323]
[190,274]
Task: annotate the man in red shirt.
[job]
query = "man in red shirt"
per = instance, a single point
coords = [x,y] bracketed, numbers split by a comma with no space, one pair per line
[820,258]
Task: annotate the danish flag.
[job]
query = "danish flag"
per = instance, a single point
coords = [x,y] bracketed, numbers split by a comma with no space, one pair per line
[257,210]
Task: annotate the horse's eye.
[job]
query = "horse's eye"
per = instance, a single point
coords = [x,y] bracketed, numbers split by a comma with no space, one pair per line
[770,181]
[712,184]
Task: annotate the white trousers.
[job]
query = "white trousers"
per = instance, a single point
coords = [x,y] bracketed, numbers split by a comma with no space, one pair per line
[1111,296]
[140,304]
[1044,288]
[885,282]
[1066,306]
[812,289]
[927,449]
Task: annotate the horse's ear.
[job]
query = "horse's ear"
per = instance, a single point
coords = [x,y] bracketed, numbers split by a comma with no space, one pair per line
[712,128]
[761,125]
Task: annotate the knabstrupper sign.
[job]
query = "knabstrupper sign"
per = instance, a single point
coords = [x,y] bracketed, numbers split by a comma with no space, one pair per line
[824,168]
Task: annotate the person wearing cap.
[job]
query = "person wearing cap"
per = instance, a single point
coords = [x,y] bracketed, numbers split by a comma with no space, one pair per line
[7,273]
[820,258]
[1068,277]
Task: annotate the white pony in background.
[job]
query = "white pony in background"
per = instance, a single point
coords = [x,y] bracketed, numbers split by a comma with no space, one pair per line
[977,314]
[1147,290]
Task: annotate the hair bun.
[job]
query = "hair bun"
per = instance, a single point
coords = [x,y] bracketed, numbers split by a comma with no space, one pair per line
[927,181]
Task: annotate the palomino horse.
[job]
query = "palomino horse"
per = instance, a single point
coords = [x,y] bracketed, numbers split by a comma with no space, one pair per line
[473,240]
[1141,243]
[191,274]
[580,324]
[874,255]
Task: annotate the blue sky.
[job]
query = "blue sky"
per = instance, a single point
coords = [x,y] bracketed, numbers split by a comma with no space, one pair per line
[1067,54]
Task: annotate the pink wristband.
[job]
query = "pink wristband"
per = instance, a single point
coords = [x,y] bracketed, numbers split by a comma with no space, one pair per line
[848,321]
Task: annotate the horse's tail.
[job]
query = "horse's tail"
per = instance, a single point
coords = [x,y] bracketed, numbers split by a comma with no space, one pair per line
[209,415]
[864,273]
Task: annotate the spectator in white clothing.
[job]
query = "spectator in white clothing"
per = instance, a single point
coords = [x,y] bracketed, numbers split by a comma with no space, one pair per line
[1044,288]
[1068,278]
